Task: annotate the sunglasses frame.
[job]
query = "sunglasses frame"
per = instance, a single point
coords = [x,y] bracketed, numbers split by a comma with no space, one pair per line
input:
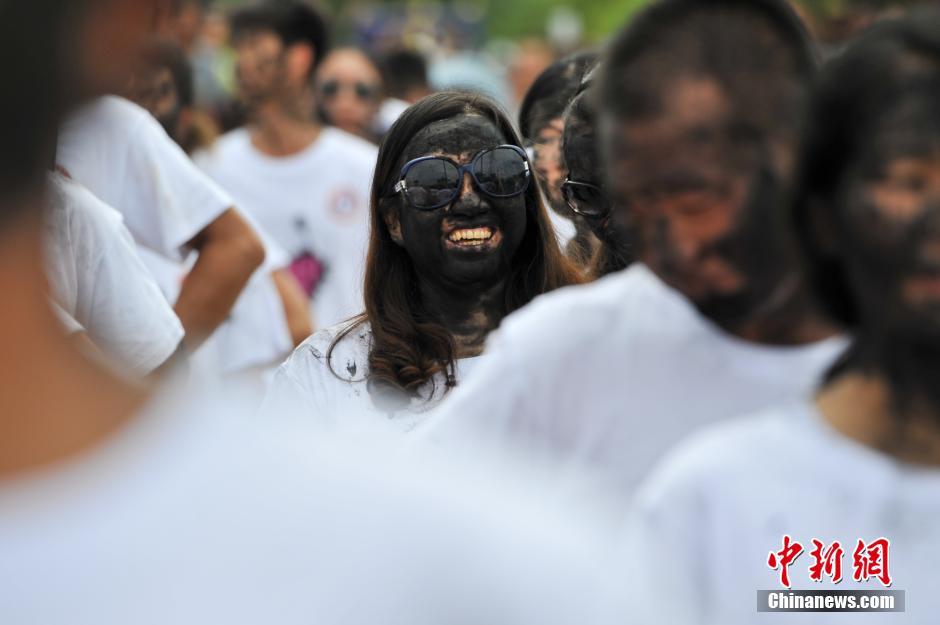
[462,170]
[569,183]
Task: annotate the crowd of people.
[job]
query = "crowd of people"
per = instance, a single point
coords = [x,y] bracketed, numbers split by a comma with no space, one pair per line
[352,350]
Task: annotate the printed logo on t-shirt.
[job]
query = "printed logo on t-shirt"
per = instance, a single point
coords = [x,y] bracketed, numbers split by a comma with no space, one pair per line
[345,205]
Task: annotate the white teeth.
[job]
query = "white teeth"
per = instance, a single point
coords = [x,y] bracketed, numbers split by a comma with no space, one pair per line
[471,234]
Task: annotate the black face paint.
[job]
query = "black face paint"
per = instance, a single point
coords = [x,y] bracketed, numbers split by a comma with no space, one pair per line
[760,246]
[890,246]
[464,272]
[583,163]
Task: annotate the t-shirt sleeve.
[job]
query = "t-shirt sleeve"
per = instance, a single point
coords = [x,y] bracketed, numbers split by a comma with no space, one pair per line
[118,301]
[299,389]
[166,200]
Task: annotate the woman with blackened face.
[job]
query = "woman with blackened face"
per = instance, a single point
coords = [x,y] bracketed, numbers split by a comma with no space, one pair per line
[584,190]
[861,473]
[460,238]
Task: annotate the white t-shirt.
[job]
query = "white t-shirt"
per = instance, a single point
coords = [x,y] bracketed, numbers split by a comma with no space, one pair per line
[313,203]
[194,515]
[97,277]
[612,374]
[122,154]
[565,230]
[707,519]
[337,392]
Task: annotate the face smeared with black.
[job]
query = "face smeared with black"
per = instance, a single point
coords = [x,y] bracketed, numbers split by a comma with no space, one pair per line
[548,163]
[701,197]
[434,238]
[583,163]
[890,234]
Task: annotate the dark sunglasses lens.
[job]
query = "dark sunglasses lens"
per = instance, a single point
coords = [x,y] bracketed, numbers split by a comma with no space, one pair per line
[586,200]
[364,91]
[502,172]
[329,88]
[431,183]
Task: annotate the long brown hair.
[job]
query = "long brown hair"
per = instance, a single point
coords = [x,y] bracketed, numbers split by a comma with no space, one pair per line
[409,345]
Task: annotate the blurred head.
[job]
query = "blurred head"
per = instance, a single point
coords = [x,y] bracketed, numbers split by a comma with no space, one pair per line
[585,187]
[541,120]
[868,205]
[405,74]
[184,22]
[349,91]
[164,85]
[701,103]
[470,244]
[108,37]
[278,46]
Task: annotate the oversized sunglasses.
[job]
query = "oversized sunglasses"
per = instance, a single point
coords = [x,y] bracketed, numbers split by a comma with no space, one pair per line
[431,182]
[365,92]
[585,199]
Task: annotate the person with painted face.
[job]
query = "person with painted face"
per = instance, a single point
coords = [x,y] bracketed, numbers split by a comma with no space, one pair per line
[700,105]
[542,121]
[862,458]
[584,187]
[460,238]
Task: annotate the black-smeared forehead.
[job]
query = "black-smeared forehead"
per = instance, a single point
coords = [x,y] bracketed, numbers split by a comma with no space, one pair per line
[909,128]
[460,136]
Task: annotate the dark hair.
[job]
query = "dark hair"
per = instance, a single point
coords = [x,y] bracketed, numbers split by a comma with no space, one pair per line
[854,92]
[404,71]
[739,43]
[409,346]
[168,54]
[551,92]
[293,21]
[34,46]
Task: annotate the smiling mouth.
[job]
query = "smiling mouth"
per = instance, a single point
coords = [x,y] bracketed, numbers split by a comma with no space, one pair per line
[472,237]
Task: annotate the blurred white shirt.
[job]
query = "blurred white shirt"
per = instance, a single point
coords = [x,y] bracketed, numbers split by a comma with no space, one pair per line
[707,519]
[97,277]
[333,389]
[612,374]
[195,514]
[312,203]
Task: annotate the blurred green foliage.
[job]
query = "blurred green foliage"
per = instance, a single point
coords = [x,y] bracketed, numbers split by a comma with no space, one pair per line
[514,19]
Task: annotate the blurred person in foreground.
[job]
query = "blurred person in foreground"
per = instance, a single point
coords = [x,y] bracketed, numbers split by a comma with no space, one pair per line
[164,507]
[350,92]
[862,459]
[700,108]
[306,184]
[542,122]
[460,239]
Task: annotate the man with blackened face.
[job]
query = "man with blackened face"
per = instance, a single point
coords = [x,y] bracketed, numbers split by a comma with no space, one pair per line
[863,454]
[698,107]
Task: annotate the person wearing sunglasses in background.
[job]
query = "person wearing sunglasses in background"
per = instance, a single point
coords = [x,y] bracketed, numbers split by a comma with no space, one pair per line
[542,122]
[460,238]
[349,92]
[584,188]
[306,185]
